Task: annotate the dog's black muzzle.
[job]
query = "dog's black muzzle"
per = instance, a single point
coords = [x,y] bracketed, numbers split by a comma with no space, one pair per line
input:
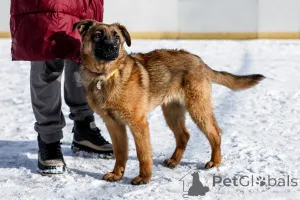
[107,50]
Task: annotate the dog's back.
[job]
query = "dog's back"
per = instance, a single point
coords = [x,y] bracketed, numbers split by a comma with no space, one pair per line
[168,70]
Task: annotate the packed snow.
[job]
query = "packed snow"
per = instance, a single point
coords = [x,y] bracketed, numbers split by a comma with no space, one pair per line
[260,132]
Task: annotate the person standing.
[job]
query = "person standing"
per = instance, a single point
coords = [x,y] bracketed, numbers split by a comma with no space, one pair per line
[42,33]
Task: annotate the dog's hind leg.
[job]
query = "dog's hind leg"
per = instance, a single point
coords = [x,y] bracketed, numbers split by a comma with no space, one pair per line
[199,105]
[174,113]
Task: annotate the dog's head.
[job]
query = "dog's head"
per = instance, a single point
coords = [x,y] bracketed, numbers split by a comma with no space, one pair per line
[103,41]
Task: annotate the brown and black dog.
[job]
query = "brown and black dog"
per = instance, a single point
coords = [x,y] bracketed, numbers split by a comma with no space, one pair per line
[123,88]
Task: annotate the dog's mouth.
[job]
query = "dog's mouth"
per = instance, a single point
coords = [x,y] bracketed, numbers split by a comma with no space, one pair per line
[106,52]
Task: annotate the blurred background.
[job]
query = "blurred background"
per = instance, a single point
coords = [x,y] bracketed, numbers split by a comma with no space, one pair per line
[197,19]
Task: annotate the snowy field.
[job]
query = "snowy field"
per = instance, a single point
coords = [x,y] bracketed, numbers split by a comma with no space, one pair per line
[261,132]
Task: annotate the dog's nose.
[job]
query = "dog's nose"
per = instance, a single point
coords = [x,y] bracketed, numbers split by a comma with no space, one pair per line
[109,42]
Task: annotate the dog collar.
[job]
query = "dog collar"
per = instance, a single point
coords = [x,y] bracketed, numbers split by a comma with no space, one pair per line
[99,83]
[110,75]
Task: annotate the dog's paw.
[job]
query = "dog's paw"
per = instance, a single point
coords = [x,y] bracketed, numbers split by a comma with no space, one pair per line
[170,163]
[112,177]
[211,164]
[139,180]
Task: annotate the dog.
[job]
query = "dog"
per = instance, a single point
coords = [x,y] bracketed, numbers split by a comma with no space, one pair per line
[122,88]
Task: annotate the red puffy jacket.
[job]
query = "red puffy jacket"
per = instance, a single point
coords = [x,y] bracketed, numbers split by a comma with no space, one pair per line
[42,29]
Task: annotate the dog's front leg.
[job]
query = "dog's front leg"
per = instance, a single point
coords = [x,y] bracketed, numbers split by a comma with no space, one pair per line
[140,131]
[119,139]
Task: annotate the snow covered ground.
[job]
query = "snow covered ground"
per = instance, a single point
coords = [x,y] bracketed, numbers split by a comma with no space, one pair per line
[261,132]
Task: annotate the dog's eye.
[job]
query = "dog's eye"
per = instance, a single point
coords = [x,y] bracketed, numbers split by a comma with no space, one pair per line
[117,37]
[99,34]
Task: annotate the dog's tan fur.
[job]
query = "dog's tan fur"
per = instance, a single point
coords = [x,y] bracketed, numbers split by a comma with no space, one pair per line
[175,79]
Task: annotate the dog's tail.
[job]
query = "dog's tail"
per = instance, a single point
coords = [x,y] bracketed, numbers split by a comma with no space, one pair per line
[234,82]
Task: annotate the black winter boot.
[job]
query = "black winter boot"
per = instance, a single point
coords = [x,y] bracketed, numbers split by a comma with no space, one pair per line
[50,158]
[87,137]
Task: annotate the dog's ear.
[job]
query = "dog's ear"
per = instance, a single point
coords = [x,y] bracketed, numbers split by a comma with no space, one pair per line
[83,26]
[125,34]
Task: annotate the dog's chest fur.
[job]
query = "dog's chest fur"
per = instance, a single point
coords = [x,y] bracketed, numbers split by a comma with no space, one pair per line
[121,95]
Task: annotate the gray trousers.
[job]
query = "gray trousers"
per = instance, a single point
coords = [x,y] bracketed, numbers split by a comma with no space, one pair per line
[45,87]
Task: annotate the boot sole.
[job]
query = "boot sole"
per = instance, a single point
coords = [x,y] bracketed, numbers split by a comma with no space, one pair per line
[43,173]
[76,148]
[50,170]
